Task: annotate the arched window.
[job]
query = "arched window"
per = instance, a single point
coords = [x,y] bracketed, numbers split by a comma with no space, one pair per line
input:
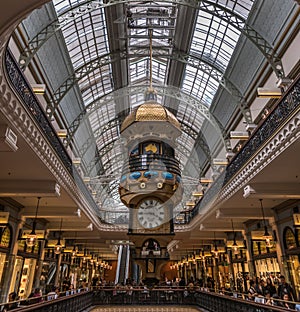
[6,238]
[289,239]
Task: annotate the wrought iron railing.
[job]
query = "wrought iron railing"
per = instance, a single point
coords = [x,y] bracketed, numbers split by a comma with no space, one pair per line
[277,117]
[30,101]
[284,109]
[211,301]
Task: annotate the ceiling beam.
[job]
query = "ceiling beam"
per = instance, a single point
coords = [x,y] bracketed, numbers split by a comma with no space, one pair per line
[223,227]
[54,212]
[29,188]
[240,213]
[271,190]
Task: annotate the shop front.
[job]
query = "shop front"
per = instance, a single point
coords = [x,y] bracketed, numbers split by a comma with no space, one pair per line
[5,242]
[24,269]
[240,271]
[291,242]
[265,260]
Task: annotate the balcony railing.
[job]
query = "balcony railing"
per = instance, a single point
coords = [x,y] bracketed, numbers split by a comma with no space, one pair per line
[30,101]
[211,301]
[284,109]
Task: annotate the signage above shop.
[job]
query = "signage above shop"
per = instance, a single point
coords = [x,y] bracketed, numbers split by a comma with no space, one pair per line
[296,217]
[4,217]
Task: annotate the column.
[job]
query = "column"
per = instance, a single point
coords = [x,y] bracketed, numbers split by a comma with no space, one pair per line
[248,238]
[57,273]
[279,246]
[216,272]
[37,277]
[230,269]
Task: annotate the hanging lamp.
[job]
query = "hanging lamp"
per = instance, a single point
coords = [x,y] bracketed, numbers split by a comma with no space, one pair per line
[235,246]
[32,237]
[266,236]
[58,247]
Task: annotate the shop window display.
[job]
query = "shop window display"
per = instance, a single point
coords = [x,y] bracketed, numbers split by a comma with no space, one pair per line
[289,238]
[5,238]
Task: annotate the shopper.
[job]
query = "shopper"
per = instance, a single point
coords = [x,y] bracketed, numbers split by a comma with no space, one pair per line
[12,297]
[285,288]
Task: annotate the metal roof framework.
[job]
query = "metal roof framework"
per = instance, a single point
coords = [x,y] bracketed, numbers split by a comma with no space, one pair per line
[108,46]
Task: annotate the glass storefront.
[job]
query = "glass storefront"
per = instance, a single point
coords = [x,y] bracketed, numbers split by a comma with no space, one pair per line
[27,276]
[267,267]
[291,241]
[293,265]
[16,276]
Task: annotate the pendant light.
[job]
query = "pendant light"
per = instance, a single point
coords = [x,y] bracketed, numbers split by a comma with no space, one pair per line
[58,247]
[75,249]
[216,251]
[267,237]
[32,237]
[235,246]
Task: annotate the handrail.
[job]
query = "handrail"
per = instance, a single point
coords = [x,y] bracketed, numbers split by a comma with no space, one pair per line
[166,295]
[23,89]
[75,303]
[287,105]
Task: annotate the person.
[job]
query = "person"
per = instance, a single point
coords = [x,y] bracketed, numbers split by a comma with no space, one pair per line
[52,294]
[84,285]
[66,284]
[71,290]
[270,287]
[286,302]
[12,297]
[222,291]
[252,291]
[259,286]
[95,281]
[260,290]
[268,298]
[285,288]
[35,296]
[57,293]
[182,282]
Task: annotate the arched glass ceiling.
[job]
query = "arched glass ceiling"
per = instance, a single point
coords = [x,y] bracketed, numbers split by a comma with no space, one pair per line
[211,38]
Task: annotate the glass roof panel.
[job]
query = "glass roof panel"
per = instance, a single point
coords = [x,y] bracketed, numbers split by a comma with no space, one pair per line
[214,41]
[242,7]
[63,5]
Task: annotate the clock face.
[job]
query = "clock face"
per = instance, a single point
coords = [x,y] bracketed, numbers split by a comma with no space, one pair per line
[151,213]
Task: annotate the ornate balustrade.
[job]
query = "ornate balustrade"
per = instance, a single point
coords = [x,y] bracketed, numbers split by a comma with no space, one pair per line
[286,107]
[210,301]
[31,103]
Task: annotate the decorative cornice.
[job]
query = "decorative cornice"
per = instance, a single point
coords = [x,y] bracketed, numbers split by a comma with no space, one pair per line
[19,117]
[283,139]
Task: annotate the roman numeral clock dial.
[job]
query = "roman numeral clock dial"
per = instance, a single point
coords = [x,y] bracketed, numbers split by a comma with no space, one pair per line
[151,213]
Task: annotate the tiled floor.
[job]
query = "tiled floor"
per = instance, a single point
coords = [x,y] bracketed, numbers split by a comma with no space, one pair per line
[144,309]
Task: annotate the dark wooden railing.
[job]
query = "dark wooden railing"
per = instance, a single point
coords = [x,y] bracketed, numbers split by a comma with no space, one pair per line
[210,301]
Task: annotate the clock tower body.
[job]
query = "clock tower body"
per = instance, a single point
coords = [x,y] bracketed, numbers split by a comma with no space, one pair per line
[150,183]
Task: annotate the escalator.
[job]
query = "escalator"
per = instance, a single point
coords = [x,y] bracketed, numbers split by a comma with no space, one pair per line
[123,265]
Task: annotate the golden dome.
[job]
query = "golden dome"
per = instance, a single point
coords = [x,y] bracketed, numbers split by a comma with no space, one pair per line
[150,111]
